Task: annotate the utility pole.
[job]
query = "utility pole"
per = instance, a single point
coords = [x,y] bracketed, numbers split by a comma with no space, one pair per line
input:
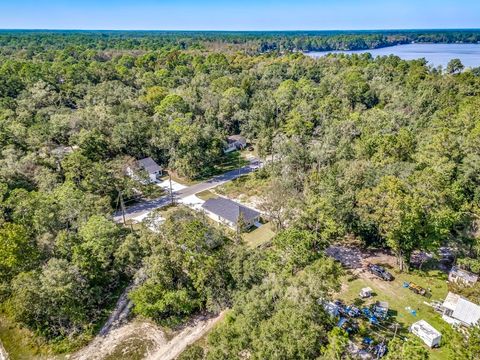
[122,205]
[171,189]
[396,328]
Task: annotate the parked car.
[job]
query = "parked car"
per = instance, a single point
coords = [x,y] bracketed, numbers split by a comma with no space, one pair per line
[380,272]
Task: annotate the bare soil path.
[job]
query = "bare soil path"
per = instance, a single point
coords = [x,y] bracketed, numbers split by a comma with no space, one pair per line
[140,340]
[134,340]
[3,352]
[190,334]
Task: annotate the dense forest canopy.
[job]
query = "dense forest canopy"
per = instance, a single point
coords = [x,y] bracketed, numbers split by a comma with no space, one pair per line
[384,151]
[253,41]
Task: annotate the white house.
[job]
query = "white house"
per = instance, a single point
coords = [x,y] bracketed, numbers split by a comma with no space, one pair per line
[427,333]
[229,212]
[459,311]
[149,165]
[235,142]
[463,277]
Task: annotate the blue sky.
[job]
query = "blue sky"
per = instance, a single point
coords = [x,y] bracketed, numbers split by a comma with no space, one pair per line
[239,15]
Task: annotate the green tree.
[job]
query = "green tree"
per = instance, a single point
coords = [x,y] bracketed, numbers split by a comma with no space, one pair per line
[412,348]
[455,66]
[460,346]
[17,251]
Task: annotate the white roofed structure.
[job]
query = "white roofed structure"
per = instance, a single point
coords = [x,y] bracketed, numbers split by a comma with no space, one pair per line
[427,333]
[460,311]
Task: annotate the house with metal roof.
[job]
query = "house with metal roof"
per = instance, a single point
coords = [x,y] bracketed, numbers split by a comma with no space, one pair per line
[459,311]
[462,277]
[230,213]
[149,165]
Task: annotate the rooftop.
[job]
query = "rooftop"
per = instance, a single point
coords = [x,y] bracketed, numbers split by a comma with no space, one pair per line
[149,165]
[426,328]
[235,138]
[467,312]
[229,210]
[464,274]
[463,310]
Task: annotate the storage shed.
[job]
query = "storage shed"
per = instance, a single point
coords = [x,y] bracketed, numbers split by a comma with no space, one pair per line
[427,333]
[366,292]
[461,276]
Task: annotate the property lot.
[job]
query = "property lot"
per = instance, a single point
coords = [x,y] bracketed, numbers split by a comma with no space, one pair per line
[405,306]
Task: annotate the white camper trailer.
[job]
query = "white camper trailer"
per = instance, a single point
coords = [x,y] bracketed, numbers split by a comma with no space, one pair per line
[427,333]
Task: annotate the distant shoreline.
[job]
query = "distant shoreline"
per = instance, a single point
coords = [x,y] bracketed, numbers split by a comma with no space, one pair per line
[393,45]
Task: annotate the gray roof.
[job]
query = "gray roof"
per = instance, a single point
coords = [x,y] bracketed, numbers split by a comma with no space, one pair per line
[236,138]
[149,165]
[464,274]
[229,210]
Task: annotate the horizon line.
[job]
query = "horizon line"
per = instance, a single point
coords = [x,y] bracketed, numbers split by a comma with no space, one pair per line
[243,30]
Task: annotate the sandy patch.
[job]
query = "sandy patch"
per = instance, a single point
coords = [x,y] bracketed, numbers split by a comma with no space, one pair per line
[165,184]
[192,201]
[136,339]
[189,335]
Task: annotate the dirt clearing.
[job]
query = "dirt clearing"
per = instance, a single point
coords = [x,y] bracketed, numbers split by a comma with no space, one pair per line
[190,334]
[135,340]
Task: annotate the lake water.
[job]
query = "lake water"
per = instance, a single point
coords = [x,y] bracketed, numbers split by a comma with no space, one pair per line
[435,54]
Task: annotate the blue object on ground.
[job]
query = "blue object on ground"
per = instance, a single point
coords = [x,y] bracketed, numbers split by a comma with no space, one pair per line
[367,341]
[341,322]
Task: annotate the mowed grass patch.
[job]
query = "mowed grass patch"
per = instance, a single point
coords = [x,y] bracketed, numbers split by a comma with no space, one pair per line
[206,195]
[245,186]
[400,298]
[259,236]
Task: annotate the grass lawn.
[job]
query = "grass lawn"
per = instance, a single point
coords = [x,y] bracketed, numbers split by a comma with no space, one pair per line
[206,195]
[399,298]
[244,186]
[230,161]
[21,344]
[259,236]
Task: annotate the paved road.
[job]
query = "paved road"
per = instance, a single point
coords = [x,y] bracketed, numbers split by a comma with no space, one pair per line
[147,206]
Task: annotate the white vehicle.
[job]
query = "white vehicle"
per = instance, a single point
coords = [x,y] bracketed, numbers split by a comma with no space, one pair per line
[427,333]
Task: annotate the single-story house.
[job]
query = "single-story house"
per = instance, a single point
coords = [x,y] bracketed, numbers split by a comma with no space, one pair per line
[459,311]
[149,165]
[229,212]
[235,142]
[463,277]
[427,333]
